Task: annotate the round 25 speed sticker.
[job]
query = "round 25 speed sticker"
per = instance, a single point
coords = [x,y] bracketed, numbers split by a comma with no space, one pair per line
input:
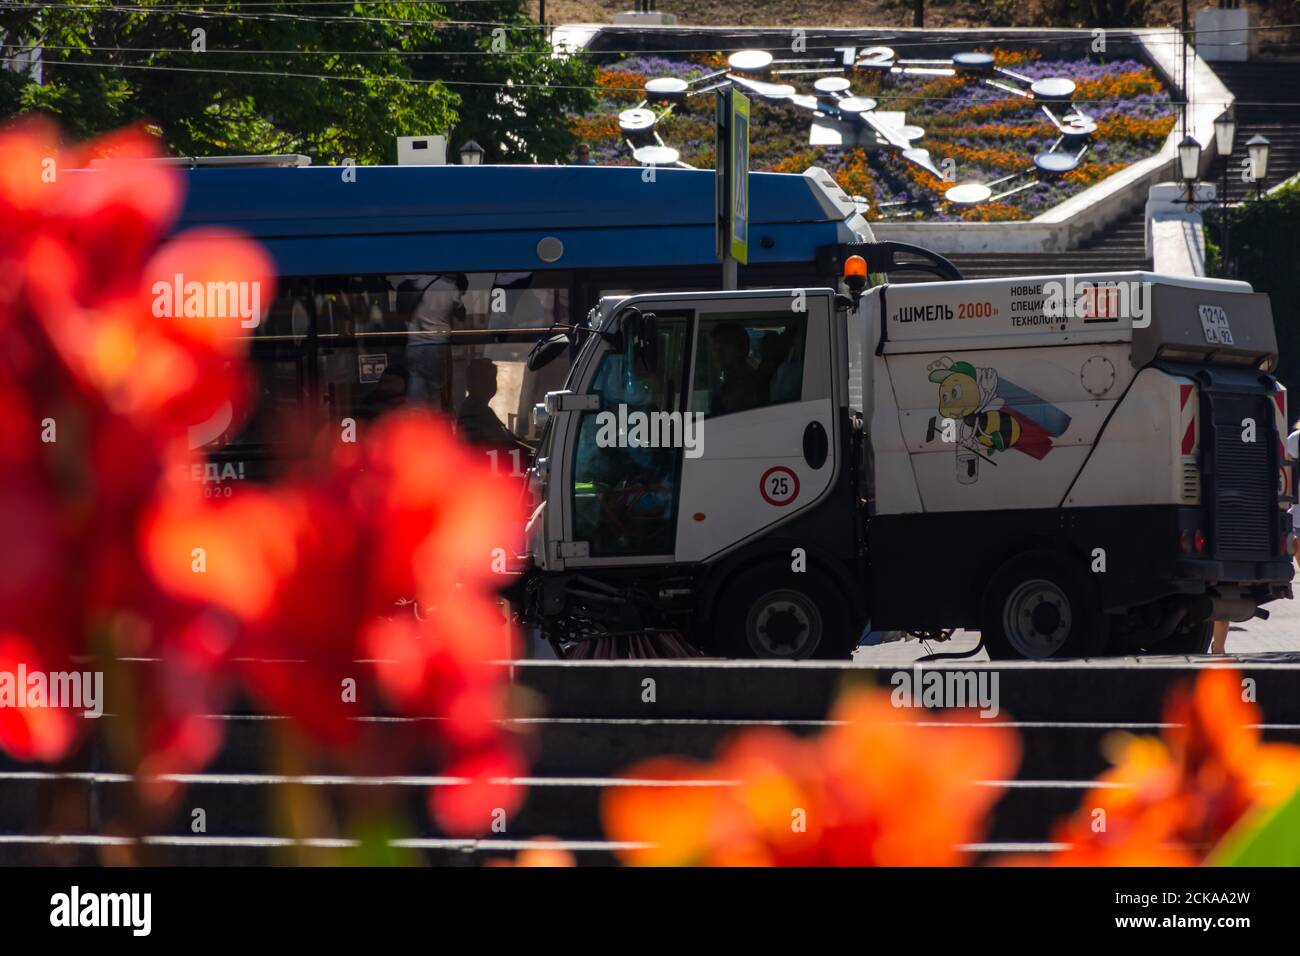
[779,486]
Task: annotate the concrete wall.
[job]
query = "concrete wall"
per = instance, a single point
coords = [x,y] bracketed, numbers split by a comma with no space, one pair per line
[1231,35]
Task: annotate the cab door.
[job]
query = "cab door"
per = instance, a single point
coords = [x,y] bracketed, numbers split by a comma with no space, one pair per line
[738,431]
[615,485]
[763,382]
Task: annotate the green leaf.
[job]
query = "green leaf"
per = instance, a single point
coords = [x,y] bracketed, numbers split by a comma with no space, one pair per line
[1271,838]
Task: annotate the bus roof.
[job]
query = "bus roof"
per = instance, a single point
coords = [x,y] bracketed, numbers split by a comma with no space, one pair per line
[314,221]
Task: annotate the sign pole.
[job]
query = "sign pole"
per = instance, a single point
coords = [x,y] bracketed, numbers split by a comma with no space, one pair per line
[732,184]
[722,164]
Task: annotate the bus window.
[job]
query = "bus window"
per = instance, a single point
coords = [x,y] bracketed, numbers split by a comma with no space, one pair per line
[494,395]
[356,347]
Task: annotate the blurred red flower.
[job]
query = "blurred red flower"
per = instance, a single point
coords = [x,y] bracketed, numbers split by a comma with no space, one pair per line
[293,590]
[99,394]
[313,569]
[30,733]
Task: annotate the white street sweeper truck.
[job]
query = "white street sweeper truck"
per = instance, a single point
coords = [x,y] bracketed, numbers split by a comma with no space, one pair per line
[1073,465]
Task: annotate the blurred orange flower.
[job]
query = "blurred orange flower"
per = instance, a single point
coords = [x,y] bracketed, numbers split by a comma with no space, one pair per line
[1169,800]
[540,852]
[880,787]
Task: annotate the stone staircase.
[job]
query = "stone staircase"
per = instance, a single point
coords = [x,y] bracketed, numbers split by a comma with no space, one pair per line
[596,723]
[1119,247]
[1267,103]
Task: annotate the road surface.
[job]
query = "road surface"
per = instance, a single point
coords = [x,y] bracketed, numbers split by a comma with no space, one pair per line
[1281,632]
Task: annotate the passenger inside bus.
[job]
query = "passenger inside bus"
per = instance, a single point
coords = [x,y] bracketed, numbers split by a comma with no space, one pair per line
[436,307]
[476,422]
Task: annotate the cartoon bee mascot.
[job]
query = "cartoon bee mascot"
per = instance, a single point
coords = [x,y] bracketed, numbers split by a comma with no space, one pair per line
[977,401]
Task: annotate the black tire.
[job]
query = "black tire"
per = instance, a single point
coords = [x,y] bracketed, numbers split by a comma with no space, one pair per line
[1195,640]
[1040,605]
[771,612]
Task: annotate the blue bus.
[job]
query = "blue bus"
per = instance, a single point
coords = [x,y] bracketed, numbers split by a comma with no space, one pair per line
[429,284]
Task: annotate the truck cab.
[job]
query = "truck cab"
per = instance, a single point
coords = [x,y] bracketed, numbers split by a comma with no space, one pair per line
[1071,464]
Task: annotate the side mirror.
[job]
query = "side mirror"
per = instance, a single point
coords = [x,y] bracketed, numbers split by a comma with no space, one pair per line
[541,417]
[641,331]
[547,350]
[567,401]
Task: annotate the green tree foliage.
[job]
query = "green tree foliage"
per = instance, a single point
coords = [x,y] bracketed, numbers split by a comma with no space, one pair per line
[332,81]
[519,119]
[1094,13]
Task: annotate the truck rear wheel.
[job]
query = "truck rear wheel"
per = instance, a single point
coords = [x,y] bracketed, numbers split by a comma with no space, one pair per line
[1039,605]
[773,613]
[1195,640]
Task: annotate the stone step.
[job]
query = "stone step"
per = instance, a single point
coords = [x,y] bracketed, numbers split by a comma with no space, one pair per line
[1104,689]
[597,723]
[1034,269]
[1086,689]
[93,850]
[577,761]
[1262,90]
[593,747]
[1010,260]
[246,806]
[163,850]
[980,270]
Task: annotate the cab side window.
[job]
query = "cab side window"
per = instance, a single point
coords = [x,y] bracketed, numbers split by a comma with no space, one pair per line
[748,361]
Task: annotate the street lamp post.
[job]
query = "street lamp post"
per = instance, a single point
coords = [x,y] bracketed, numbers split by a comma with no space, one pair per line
[1257,146]
[1225,132]
[1189,165]
[471,154]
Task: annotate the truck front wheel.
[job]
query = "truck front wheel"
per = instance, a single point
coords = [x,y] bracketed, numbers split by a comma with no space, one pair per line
[776,614]
[1040,605]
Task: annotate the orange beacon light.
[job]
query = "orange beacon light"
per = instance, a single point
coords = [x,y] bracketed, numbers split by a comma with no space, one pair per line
[855,275]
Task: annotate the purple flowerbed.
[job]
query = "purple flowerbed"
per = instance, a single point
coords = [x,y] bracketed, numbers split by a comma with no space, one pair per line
[983,133]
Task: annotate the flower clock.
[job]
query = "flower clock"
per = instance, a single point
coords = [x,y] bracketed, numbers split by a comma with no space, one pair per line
[975,135]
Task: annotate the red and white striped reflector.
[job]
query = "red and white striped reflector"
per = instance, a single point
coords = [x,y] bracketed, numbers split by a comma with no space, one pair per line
[1187,408]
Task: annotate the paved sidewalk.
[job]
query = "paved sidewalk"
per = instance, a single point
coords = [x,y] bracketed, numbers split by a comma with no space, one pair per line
[1281,632]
